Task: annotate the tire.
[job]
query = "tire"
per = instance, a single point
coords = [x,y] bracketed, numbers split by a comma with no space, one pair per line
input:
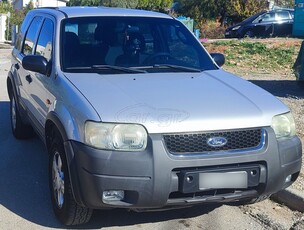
[249,34]
[19,129]
[64,205]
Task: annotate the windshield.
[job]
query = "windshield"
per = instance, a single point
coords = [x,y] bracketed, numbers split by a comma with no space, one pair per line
[253,17]
[148,44]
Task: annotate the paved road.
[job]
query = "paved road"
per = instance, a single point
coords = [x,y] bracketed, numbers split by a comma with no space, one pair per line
[25,201]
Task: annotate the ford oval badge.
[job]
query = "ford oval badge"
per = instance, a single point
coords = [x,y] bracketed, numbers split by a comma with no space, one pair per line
[217,141]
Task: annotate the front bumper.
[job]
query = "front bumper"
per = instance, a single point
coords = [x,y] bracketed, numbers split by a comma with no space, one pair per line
[231,34]
[154,179]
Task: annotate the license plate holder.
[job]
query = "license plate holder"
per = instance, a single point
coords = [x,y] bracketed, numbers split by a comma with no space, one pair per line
[191,181]
[223,180]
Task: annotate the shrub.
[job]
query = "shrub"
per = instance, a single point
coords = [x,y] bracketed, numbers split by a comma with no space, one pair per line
[211,29]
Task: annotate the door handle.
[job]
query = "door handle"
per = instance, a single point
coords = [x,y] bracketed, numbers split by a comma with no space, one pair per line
[28,78]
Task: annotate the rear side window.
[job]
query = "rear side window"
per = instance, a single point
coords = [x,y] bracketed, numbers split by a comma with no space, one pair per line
[282,15]
[21,32]
[45,40]
[31,36]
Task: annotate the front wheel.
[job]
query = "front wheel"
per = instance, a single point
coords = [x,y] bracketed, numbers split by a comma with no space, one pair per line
[65,207]
[249,34]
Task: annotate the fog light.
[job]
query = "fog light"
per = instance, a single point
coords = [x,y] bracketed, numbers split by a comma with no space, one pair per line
[288,179]
[113,195]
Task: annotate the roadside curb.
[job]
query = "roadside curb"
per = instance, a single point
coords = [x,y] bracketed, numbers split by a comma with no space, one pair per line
[292,198]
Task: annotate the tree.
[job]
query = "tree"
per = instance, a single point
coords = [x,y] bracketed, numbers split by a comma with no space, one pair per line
[246,8]
[84,3]
[17,16]
[202,10]
[284,3]
[5,7]
[158,5]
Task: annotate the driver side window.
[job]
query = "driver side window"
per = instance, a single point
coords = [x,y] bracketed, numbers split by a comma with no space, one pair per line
[179,48]
[268,17]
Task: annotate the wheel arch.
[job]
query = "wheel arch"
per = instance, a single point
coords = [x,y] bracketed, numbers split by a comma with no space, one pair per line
[53,123]
[11,88]
[55,126]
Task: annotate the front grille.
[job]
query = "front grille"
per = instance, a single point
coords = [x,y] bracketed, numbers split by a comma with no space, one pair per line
[197,142]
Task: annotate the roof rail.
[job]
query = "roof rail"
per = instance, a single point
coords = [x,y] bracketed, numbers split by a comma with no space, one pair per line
[281,8]
[49,7]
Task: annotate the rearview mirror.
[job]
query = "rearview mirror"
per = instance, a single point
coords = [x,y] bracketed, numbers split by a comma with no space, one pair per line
[218,58]
[36,63]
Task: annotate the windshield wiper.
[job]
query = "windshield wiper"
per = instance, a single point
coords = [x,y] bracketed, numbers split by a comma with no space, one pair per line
[118,68]
[107,67]
[178,67]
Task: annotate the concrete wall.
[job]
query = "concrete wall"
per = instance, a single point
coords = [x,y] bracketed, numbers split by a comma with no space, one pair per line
[52,3]
[2,27]
[19,4]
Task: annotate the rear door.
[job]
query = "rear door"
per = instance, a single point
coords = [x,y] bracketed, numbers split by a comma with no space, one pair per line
[38,41]
[25,79]
[283,24]
[40,97]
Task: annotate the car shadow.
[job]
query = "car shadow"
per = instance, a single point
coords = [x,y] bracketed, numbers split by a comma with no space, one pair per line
[24,187]
[24,180]
[282,88]
[124,218]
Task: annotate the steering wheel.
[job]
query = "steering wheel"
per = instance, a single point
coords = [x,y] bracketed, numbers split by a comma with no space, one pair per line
[162,57]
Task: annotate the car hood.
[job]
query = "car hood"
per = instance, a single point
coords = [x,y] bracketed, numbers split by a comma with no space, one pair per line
[235,25]
[179,102]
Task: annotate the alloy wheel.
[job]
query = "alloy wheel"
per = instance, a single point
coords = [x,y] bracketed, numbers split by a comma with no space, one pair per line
[58,179]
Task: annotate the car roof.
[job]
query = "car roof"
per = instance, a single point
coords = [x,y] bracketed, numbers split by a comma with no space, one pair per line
[87,11]
[282,9]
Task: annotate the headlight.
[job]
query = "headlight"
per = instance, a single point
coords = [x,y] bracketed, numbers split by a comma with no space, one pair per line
[284,125]
[112,136]
[236,28]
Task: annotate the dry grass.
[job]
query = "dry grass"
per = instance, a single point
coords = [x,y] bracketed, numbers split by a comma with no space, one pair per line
[275,55]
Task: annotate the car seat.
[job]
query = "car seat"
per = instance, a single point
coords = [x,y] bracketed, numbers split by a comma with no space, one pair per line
[71,47]
[104,36]
[133,46]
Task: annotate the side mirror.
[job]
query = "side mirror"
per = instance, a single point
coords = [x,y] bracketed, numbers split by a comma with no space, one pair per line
[218,58]
[36,63]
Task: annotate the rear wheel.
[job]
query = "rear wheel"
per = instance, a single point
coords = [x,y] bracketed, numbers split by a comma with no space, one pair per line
[19,129]
[65,207]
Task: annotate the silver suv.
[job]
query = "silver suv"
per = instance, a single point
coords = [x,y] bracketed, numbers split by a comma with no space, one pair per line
[136,114]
